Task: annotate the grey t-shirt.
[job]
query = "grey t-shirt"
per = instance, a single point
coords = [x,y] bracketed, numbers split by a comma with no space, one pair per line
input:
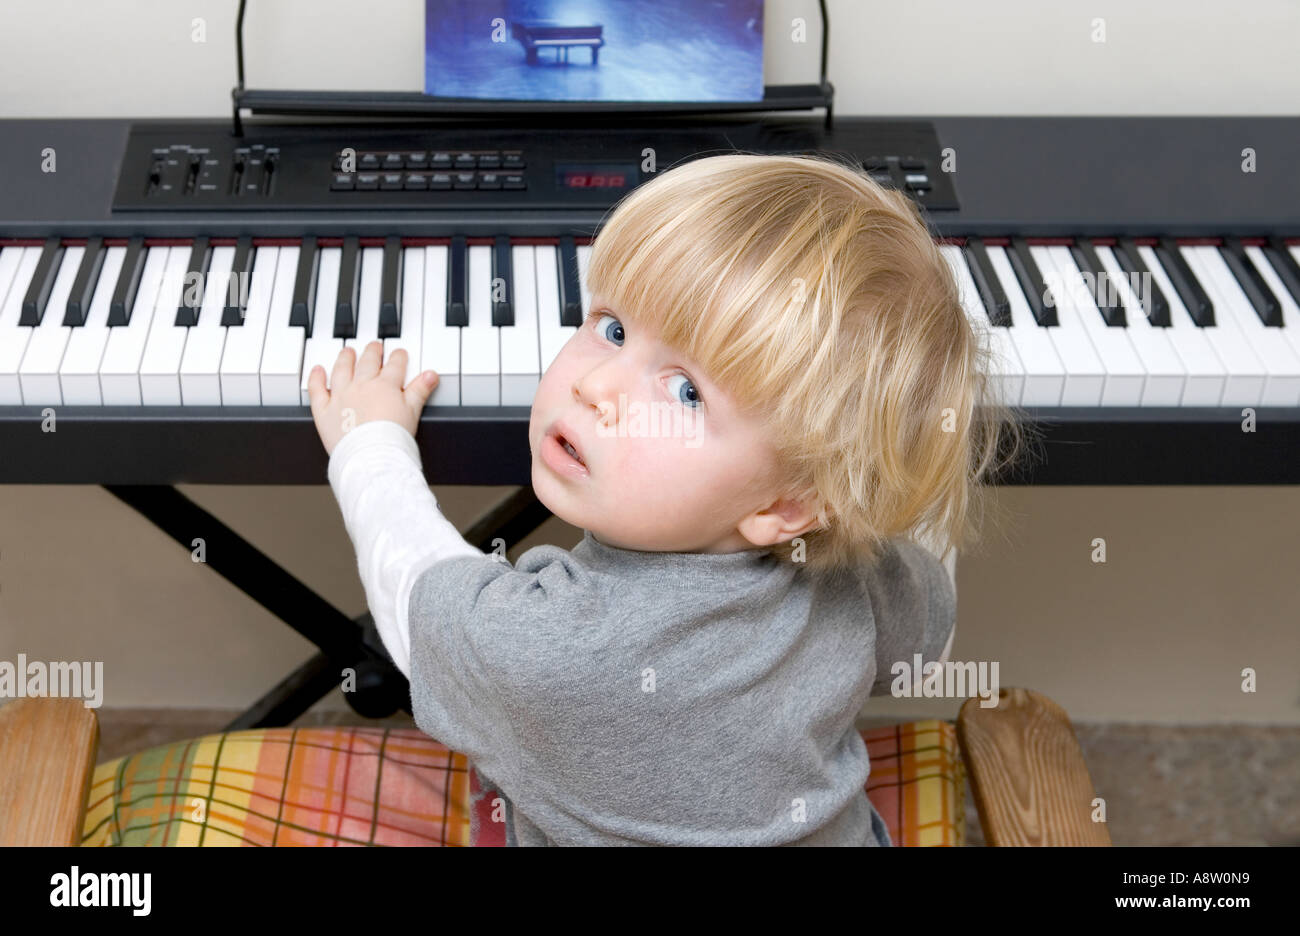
[618,697]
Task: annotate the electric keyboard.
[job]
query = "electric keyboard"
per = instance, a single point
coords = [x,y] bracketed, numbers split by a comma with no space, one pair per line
[167,316]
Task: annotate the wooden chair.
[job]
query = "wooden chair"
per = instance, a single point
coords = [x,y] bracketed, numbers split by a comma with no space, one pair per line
[1022,759]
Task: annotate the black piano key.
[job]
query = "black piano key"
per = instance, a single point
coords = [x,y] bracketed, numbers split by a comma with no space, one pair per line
[1189,289]
[457,269]
[390,290]
[304,285]
[83,287]
[503,310]
[1144,284]
[1284,265]
[1041,302]
[347,300]
[128,283]
[570,293]
[196,278]
[1251,282]
[986,281]
[1105,295]
[38,291]
[241,273]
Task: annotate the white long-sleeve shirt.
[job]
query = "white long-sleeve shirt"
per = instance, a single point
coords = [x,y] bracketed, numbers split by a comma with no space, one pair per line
[393,519]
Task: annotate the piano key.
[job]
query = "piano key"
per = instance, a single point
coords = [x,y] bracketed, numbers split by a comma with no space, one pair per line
[371,283]
[17,268]
[79,369]
[409,336]
[520,350]
[160,365]
[1153,303]
[1206,376]
[119,371]
[1290,307]
[322,347]
[38,291]
[584,258]
[1250,283]
[1045,375]
[1165,373]
[439,342]
[281,368]
[570,290]
[503,315]
[390,293]
[1193,297]
[1041,302]
[196,275]
[128,283]
[237,296]
[480,340]
[346,298]
[457,285]
[1104,294]
[1236,313]
[552,331]
[990,290]
[304,284]
[1284,265]
[1246,372]
[200,371]
[83,289]
[38,375]
[1005,367]
[240,383]
[1085,383]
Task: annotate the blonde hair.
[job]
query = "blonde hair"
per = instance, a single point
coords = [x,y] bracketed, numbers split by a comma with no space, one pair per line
[819,301]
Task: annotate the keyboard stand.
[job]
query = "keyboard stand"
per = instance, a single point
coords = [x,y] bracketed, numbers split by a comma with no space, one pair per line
[344,642]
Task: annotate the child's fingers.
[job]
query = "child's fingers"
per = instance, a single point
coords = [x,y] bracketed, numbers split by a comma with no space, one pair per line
[394,369]
[316,392]
[369,362]
[418,392]
[342,374]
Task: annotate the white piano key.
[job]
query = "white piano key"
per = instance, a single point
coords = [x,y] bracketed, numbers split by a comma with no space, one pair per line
[1290,330]
[160,366]
[1125,376]
[1044,373]
[1206,375]
[119,371]
[520,350]
[480,341]
[1166,375]
[79,370]
[39,373]
[584,258]
[201,363]
[372,286]
[552,333]
[1085,375]
[440,342]
[17,267]
[1247,375]
[282,355]
[1283,385]
[240,381]
[322,347]
[1006,370]
[412,287]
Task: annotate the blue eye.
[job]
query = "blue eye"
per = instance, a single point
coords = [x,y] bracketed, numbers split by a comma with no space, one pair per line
[614,334]
[687,393]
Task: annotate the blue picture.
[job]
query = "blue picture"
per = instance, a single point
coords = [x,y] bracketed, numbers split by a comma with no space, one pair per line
[594,50]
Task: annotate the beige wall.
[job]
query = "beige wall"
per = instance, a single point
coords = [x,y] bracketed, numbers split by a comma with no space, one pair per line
[1200,582]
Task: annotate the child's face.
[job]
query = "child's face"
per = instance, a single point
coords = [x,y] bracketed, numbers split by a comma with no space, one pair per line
[672,464]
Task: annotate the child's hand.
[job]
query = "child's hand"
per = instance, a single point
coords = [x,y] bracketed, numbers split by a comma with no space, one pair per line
[371,394]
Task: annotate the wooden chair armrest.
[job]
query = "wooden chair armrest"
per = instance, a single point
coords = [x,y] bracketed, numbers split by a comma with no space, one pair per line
[47,758]
[1027,772]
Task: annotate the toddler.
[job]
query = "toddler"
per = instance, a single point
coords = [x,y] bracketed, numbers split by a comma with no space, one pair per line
[774,389]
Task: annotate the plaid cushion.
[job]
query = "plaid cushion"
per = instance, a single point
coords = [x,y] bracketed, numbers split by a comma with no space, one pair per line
[379,786]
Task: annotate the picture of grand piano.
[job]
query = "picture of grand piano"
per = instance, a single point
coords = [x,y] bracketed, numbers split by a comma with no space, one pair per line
[594,50]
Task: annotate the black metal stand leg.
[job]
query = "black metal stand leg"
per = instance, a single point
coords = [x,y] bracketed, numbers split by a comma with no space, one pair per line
[345,643]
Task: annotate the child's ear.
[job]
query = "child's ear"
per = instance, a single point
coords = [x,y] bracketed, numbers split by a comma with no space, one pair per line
[783,520]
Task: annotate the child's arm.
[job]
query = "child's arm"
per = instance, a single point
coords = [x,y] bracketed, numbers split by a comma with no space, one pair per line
[393,519]
[914,605]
